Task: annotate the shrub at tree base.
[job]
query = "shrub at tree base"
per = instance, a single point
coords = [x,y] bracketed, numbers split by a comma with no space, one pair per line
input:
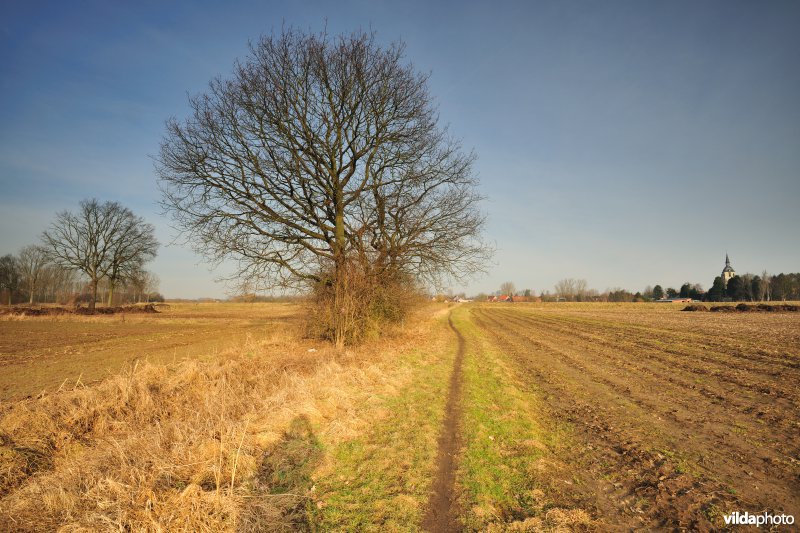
[357,303]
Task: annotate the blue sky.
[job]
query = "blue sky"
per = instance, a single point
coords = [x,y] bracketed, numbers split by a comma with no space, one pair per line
[627,143]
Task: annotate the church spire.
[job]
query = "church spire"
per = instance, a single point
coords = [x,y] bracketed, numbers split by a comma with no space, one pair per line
[727,272]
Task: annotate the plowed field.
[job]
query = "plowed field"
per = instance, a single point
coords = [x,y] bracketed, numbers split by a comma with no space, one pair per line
[673,419]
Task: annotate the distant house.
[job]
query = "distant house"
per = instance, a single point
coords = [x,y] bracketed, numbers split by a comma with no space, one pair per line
[501,298]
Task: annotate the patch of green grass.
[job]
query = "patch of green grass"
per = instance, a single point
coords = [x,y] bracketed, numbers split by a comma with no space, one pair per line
[502,442]
[382,480]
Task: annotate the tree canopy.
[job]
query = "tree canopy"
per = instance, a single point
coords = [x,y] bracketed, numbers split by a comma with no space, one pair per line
[100,240]
[316,151]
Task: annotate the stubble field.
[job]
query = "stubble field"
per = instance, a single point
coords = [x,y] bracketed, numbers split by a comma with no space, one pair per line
[520,417]
[41,353]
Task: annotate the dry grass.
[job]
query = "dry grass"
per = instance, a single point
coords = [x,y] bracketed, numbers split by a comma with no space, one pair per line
[196,445]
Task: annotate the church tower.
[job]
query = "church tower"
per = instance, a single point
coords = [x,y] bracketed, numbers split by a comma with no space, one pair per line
[728,272]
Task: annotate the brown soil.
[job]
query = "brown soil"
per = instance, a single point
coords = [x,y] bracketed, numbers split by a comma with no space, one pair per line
[58,311]
[442,515]
[746,308]
[670,428]
[695,307]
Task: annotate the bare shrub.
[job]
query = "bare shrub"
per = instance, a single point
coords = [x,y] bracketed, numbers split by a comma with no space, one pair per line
[358,303]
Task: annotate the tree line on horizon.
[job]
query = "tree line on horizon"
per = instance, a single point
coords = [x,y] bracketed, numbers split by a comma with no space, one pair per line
[747,287]
[98,251]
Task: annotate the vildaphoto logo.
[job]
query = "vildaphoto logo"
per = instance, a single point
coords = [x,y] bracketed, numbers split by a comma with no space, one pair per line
[758,520]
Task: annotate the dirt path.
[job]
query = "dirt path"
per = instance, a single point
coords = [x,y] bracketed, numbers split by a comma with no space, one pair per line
[442,514]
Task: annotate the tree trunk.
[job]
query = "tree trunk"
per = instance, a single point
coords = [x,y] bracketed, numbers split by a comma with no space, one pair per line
[110,293]
[94,296]
[340,288]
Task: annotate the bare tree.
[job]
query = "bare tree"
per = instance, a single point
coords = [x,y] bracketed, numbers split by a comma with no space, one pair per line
[90,239]
[58,283]
[9,275]
[565,288]
[765,294]
[144,283]
[317,153]
[134,246]
[508,288]
[32,263]
[581,289]
[151,283]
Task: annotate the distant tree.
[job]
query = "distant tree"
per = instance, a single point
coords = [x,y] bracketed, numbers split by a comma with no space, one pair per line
[696,292]
[58,283]
[685,290]
[717,291]
[737,288]
[764,294]
[143,283]
[151,285]
[91,239]
[508,288]
[672,293]
[620,295]
[127,255]
[779,286]
[32,268]
[785,286]
[648,292]
[746,291]
[581,290]
[565,288]
[527,293]
[9,275]
[658,292]
[756,288]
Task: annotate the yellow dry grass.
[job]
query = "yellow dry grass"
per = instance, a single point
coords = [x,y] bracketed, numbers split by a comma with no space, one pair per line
[181,447]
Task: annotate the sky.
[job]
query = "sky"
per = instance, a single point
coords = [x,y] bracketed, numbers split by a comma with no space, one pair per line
[628,143]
